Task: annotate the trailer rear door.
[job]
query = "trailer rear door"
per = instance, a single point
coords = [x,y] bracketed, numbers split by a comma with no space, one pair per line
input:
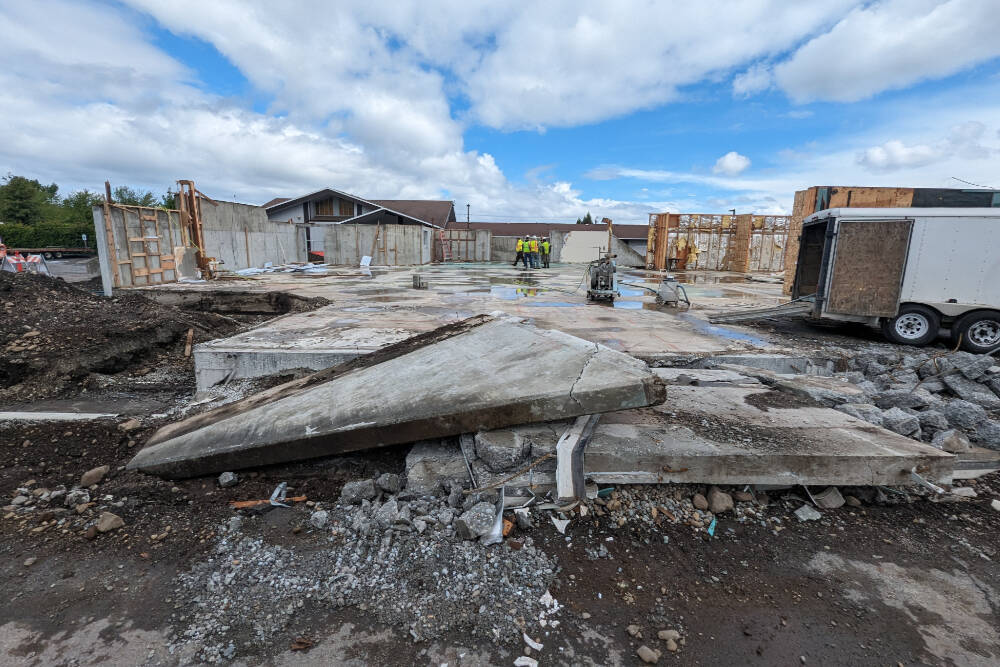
[868,265]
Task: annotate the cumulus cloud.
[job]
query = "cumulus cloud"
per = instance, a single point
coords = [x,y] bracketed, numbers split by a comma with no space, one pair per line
[964,141]
[755,80]
[891,45]
[893,155]
[731,164]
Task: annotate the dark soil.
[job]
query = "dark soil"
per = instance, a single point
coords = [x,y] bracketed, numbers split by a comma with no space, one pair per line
[58,340]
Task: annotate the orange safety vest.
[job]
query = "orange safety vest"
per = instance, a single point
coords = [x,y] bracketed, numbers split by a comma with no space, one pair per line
[534,245]
[520,245]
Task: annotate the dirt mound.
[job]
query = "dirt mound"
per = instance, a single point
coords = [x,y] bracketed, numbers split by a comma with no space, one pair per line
[54,336]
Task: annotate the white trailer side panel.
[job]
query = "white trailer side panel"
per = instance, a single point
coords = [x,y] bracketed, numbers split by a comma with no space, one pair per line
[954,258]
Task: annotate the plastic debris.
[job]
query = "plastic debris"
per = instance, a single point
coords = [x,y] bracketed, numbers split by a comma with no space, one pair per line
[531,642]
[560,524]
[711,528]
[525,661]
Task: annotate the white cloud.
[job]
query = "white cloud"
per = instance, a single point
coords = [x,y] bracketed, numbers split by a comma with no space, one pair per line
[890,45]
[731,164]
[893,155]
[755,80]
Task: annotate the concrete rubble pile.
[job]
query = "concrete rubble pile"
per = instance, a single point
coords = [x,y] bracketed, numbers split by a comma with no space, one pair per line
[947,401]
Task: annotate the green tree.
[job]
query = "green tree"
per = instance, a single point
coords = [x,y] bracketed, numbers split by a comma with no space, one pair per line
[587,220]
[24,201]
[77,208]
[123,194]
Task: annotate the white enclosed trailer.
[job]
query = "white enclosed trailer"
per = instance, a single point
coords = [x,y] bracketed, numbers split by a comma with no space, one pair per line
[913,271]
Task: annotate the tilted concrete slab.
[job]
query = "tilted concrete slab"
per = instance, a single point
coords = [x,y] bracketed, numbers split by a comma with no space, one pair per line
[481,373]
[743,435]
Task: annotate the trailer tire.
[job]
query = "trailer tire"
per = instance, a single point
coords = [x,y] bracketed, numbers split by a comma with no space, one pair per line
[47,255]
[980,331]
[914,325]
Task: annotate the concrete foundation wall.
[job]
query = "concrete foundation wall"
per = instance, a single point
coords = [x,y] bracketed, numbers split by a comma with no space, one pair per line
[240,236]
[583,247]
[398,245]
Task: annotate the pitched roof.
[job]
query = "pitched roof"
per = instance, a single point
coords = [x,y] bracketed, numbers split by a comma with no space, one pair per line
[545,228]
[436,211]
[274,202]
[313,195]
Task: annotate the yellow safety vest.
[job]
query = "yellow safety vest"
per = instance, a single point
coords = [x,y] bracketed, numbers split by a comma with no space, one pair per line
[520,245]
[534,245]
[545,247]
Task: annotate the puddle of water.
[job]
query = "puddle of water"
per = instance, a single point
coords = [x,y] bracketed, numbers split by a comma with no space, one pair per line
[390,298]
[552,304]
[628,305]
[363,309]
[630,292]
[722,332]
[526,279]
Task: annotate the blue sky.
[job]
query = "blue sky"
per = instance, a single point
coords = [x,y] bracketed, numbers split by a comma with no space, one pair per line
[524,110]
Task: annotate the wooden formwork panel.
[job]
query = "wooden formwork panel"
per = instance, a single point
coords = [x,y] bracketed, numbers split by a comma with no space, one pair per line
[856,289]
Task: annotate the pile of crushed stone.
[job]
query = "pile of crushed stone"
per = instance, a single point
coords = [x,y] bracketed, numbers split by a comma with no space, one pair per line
[408,567]
[55,336]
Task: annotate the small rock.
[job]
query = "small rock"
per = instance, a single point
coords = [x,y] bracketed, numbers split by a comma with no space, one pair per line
[995,504]
[354,492]
[987,434]
[742,496]
[951,441]
[851,501]
[419,525]
[20,500]
[91,532]
[668,634]
[28,562]
[807,513]
[672,645]
[108,522]
[964,492]
[648,655]
[228,479]
[319,519]
[387,514]
[699,502]
[972,391]
[901,398]
[719,501]
[130,425]
[634,631]
[389,482]
[93,476]
[475,522]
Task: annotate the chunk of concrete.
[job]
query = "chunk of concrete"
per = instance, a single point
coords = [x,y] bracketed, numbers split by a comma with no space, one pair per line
[433,466]
[895,398]
[963,414]
[481,373]
[988,434]
[863,411]
[502,449]
[971,391]
[475,522]
[899,421]
[951,441]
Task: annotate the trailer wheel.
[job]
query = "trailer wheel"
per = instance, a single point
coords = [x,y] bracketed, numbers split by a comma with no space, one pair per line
[48,255]
[980,331]
[914,325]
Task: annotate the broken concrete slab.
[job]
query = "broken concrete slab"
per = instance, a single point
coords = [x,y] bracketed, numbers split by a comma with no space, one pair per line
[776,363]
[481,373]
[703,377]
[28,416]
[830,391]
[730,435]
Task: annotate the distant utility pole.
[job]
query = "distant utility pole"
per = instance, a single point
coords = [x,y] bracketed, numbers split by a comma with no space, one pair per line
[467,208]
[733,211]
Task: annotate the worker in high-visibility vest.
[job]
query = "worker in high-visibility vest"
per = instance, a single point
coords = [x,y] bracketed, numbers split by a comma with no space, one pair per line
[533,245]
[546,248]
[519,247]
